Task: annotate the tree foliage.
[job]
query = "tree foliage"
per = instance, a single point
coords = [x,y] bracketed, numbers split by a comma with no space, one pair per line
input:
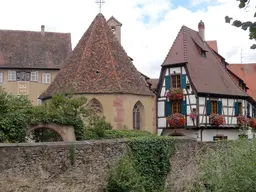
[245,25]
[230,168]
[145,166]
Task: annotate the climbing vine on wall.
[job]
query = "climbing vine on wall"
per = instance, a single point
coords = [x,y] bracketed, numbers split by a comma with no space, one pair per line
[149,165]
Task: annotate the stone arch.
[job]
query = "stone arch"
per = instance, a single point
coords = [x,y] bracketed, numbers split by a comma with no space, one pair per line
[66,132]
[138,116]
[96,106]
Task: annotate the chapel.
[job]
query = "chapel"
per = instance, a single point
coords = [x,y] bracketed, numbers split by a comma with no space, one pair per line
[100,69]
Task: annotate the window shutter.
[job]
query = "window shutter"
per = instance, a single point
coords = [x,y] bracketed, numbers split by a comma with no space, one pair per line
[236,109]
[248,109]
[208,107]
[220,107]
[184,107]
[167,82]
[167,108]
[183,81]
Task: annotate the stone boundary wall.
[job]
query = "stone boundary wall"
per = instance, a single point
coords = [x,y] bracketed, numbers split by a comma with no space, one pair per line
[46,167]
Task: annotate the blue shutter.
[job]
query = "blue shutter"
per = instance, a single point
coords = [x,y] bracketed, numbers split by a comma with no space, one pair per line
[208,107]
[220,107]
[167,82]
[167,108]
[184,107]
[236,109]
[183,81]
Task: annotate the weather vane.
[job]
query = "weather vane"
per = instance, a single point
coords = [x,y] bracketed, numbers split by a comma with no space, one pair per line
[100,2]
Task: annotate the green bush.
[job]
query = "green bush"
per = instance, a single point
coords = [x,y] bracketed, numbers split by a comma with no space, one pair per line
[230,168]
[115,134]
[124,178]
[149,157]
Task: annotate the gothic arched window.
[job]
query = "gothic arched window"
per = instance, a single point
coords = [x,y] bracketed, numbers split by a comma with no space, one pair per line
[138,113]
[96,106]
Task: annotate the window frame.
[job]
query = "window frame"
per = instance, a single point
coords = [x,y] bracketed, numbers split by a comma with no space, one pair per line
[220,137]
[11,75]
[46,77]
[177,78]
[203,53]
[176,104]
[240,108]
[1,77]
[34,76]
[136,114]
[213,102]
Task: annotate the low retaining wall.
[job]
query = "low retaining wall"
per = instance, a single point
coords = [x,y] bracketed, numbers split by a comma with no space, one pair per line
[46,167]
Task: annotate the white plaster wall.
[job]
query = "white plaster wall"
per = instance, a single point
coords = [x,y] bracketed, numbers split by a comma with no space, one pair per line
[167,72]
[162,99]
[161,109]
[207,134]
[192,99]
[190,121]
[202,109]
[162,92]
[231,102]
[188,133]
[175,69]
[201,100]
[159,132]
[162,122]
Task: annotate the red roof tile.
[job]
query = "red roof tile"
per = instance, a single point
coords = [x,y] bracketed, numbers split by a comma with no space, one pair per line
[247,72]
[207,74]
[29,49]
[99,64]
[213,45]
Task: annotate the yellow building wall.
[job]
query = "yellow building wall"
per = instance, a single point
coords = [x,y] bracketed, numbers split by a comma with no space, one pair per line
[31,89]
[118,110]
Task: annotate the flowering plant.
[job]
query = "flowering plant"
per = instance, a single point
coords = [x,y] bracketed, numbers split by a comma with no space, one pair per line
[174,94]
[253,123]
[176,120]
[193,115]
[242,120]
[217,119]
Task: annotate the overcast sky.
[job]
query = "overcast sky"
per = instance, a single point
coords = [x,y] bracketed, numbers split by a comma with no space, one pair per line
[149,26]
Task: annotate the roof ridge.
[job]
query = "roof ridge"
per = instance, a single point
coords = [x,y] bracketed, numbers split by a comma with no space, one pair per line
[172,45]
[112,59]
[226,70]
[184,42]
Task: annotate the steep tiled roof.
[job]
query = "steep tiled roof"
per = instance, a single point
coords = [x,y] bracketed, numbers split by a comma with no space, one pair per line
[153,83]
[30,49]
[208,75]
[247,72]
[98,64]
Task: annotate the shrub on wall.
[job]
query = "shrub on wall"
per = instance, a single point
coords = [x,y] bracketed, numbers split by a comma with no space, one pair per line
[230,168]
[149,157]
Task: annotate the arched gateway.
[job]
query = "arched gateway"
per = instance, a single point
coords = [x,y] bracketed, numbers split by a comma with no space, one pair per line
[65,131]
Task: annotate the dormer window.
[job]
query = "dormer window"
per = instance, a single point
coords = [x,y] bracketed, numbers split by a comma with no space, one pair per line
[203,53]
[113,29]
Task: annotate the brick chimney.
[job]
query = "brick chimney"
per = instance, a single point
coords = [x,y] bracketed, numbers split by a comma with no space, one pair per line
[201,31]
[42,29]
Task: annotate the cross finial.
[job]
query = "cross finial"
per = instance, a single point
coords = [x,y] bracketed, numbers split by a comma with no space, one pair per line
[100,2]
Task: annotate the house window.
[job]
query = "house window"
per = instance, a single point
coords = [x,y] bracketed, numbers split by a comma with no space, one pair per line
[175,81]
[34,76]
[11,75]
[39,101]
[96,106]
[176,107]
[203,54]
[22,76]
[136,117]
[214,107]
[1,77]
[46,77]
[219,137]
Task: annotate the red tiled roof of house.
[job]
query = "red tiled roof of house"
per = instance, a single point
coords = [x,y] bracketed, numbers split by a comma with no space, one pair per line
[98,64]
[30,49]
[213,45]
[153,83]
[207,74]
[247,72]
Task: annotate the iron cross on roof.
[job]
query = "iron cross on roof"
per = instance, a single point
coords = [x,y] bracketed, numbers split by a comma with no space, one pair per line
[100,2]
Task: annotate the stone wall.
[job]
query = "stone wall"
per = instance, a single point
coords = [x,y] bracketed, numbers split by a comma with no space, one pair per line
[46,167]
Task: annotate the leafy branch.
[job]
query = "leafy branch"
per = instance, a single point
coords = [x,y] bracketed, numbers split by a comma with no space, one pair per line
[245,25]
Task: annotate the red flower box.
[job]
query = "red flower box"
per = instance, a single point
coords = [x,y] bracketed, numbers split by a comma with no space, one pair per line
[174,94]
[253,123]
[242,120]
[176,120]
[216,119]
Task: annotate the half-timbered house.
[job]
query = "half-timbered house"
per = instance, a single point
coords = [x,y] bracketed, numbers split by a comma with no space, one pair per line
[196,95]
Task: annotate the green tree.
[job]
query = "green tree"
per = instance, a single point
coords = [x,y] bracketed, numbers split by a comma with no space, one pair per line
[245,25]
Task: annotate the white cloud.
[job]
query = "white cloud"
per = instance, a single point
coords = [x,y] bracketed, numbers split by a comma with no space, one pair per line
[147,43]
